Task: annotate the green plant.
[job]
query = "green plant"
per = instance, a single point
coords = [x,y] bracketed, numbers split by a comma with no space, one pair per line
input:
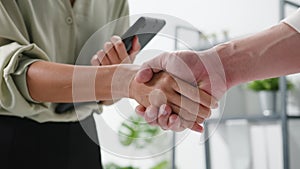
[267,85]
[162,165]
[137,132]
[115,166]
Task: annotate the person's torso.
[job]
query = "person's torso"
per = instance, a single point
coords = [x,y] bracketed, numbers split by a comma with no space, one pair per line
[60,29]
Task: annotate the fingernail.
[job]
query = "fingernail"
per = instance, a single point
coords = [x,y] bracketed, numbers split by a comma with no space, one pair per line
[150,113]
[162,111]
[117,37]
[171,121]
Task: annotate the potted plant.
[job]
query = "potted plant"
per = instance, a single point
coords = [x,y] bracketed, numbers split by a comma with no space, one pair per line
[135,132]
[267,90]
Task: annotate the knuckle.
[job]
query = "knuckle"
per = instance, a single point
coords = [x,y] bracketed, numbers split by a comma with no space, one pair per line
[168,79]
[200,120]
[138,46]
[115,38]
[206,113]
[108,45]
[119,44]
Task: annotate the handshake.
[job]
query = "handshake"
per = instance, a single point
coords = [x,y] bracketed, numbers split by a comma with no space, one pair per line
[175,90]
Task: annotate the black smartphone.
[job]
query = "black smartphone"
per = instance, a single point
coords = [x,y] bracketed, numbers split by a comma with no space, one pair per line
[145,28]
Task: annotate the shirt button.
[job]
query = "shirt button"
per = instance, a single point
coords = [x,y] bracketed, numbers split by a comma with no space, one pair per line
[69,20]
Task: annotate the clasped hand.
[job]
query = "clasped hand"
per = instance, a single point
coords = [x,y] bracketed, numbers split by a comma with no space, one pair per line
[165,99]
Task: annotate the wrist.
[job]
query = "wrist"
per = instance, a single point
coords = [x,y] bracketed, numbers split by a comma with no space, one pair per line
[233,57]
[123,81]
[133,88]
[113,82]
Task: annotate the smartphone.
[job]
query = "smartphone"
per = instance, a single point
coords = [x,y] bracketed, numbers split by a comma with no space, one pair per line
[145,28]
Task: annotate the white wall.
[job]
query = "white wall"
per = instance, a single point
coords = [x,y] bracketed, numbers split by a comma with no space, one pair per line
[240,18]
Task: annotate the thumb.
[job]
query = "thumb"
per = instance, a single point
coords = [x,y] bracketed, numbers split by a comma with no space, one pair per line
[144,75]
[147,70]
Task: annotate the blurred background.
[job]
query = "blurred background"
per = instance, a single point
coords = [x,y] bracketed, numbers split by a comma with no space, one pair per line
[259,128]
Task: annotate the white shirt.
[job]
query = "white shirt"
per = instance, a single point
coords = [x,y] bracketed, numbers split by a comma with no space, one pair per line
[294,20]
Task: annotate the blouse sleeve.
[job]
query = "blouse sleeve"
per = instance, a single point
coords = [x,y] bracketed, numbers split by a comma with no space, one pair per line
[16,54]
[120,10]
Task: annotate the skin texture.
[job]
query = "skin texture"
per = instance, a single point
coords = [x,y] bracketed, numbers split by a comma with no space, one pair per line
[117,52]
[69,83]
[270,53]
[114,52]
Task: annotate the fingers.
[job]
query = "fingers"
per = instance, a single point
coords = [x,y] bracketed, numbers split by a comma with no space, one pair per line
[190,113]
[136,47]
[100,59]
[119,47]
[177,124]
[95,61]
[186,115]
[164,118]
[194,93]
[144,75]
[140,110]
[155,65]
[111,53]
[115,52]
[151,115]
[185,107]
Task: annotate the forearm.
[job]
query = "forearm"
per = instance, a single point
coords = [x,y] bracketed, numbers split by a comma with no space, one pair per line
[271,53]
[53,82]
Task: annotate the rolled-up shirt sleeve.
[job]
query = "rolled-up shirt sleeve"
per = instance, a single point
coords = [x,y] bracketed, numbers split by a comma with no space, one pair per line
[293,20]
[14,62]
[32,31]
[16,54]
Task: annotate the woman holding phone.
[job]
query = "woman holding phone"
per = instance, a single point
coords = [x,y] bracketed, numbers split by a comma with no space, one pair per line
[39,42]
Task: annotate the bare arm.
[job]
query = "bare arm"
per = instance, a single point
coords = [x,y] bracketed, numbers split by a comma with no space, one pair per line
[270,53]
[53,82]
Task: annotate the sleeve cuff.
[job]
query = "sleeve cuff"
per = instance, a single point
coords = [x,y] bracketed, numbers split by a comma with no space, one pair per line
[19,77]
[294,20]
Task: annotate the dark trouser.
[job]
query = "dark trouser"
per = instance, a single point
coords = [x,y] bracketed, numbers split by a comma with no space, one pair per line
[26,144]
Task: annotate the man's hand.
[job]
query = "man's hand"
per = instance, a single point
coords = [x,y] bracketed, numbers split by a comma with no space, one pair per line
[182,97]
[202,69]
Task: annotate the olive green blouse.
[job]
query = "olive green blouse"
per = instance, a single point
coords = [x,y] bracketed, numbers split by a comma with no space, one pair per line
[50,30]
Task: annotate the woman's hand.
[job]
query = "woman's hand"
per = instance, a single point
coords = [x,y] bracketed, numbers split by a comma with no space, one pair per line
[179,95]
[114,52]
